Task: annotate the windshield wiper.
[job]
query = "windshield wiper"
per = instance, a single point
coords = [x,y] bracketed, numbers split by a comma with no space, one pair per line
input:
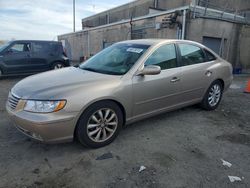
[89,69]
[100,71]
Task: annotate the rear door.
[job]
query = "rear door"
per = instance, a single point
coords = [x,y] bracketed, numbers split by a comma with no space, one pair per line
[41,54]
[16,58]
[158,92]
[196,73]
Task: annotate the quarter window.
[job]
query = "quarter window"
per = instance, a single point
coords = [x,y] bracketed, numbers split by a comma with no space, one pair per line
[191,54]
[210,56]
[164,56]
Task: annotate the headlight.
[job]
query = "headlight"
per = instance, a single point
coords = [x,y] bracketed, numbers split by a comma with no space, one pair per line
[44,106]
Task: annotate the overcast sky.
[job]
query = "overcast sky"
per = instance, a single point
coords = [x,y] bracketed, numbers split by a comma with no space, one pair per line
[45,19]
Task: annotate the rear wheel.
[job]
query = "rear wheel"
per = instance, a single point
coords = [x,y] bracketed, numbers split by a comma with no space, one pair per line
[213,96]
[1,73]
[100,124]
[57,65]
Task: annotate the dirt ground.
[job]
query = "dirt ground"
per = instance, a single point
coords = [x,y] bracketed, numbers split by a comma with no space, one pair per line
[180,149]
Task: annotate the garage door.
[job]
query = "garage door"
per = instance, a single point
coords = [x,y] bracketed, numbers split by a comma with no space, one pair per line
[213,43]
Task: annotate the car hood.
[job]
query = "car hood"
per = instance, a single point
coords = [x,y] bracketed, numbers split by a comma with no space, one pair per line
[52,84]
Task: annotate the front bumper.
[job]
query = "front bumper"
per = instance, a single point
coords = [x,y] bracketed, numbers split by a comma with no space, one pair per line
[49,128]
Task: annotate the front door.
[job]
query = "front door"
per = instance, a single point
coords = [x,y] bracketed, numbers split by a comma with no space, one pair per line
[16,58]
[158,92]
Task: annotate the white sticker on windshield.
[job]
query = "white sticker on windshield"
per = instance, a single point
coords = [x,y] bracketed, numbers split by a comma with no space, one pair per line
[135,50]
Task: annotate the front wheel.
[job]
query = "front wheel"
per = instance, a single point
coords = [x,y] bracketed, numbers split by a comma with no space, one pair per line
[213,96]
[99,124]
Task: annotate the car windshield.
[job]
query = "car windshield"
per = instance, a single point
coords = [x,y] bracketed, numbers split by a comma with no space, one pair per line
[116,59]
[3,46]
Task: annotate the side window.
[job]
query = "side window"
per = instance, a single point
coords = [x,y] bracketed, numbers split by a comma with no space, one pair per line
[210,56]
[20,47]
[164,56]
[191,54]
[41,47]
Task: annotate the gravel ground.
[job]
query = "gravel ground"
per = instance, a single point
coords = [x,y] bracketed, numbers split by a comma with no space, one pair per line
[180,149]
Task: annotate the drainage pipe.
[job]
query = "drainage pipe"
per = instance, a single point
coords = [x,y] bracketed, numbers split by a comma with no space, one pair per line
[183,24]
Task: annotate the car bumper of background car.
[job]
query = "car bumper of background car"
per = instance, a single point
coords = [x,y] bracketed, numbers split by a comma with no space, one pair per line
[49,128]
[67,62]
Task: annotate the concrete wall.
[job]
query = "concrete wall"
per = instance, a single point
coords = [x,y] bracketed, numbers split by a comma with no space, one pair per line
[75,44]
[228,4]
[91,41]
[244,47]
[141,8]
[236,37]
[136,9]
[170,4]
[86,43]
[200,27]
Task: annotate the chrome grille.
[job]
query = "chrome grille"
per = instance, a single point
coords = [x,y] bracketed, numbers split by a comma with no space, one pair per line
[13,101]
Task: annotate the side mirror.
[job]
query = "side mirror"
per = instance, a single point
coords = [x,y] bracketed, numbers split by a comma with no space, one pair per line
[150,70]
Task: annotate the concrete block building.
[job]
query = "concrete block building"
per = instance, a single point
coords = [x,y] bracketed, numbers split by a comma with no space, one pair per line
[222,25]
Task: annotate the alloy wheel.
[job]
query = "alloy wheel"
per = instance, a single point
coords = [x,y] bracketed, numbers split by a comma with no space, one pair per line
[102,125]
[214,95]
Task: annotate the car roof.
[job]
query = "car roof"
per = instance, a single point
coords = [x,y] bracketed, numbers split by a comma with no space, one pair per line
[153,42]
[35,41]
[158,41]
[144,41]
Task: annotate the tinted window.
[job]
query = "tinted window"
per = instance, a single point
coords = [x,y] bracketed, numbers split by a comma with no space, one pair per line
[210,56]
[116,59]
[164,56]
[20,47]
[44,47]
[191,54]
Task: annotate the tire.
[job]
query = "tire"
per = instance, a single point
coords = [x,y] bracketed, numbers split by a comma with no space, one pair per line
[94,131]
[213,96]
[57,65]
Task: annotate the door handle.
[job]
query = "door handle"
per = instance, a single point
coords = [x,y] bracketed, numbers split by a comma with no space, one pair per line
[208,73]
[175,79]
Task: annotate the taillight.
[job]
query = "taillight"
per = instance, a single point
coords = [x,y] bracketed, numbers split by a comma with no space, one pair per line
[64,53]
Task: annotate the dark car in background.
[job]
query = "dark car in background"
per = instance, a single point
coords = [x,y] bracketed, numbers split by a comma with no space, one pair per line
[30,56]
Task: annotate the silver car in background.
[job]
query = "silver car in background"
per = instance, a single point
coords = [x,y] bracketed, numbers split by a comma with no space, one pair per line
[124,83]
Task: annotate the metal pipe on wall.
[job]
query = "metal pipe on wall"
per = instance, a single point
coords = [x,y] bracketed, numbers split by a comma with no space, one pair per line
[183,24]
[74,16]
[88,45]
[155,3]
